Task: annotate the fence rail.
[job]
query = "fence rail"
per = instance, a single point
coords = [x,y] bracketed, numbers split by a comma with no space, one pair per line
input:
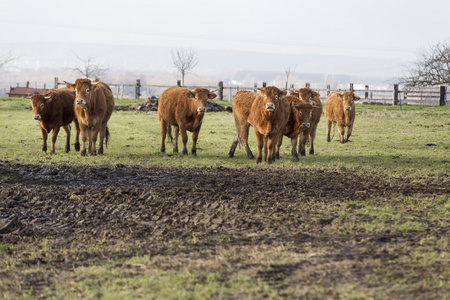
[432,96]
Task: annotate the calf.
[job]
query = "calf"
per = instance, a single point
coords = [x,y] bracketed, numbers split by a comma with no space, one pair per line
[306,94]
[53,110]
[184,110]
[340,110]
[299,121]
[94,104]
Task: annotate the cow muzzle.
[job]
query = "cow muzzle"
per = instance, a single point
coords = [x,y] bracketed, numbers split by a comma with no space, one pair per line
[270,106]
[348,108]
[81,102]
[305,126]
[37,117]
[201,109]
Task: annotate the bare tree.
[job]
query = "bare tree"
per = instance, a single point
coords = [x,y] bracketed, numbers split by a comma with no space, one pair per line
[185,60]
[90,68]
[6,59]
[431,68]
[288,71]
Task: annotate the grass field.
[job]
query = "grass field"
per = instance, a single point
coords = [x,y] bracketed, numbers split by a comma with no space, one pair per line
[378,242]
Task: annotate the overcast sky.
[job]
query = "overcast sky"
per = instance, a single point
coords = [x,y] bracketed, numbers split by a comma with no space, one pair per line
[374,28]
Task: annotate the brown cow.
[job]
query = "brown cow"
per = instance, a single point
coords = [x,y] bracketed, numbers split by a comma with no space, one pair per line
[340,109]
[52,110]
[93,105]
[299,121]
[183,109]
[268,114]
[306,94]
[241,105]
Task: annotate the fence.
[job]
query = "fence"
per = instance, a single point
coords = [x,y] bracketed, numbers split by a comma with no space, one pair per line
[432,96]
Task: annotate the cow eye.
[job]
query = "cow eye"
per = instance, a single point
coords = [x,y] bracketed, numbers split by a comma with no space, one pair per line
[276,97]
[87,90]
[299,113]
[42,105]
[75,90]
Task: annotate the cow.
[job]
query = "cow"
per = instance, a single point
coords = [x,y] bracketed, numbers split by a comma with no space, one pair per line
[268,113]
[306,94]
[340,110]
[299,121]
[53,110]
[184,110]
[93,105]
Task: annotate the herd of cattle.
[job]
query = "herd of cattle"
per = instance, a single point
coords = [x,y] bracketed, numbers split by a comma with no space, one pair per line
[272,113]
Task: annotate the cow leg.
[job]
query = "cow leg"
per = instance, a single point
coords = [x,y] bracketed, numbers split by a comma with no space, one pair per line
[164,127]
[328,130]
[184,138]
[349,132]
[84,137]
[260,142]
[93,137]
[234,145]
[77,135]
[278,146]
[312,136]
[244,140]
[54,137]
[67,130]
[302,138]
[294,148]
[195,134]
[341,133]
[44,140]
[102,137]
[271,144]
[176,133]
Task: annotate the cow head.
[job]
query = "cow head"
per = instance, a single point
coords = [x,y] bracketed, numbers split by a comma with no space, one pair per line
[84,89]
[271,95]
[305,94]
[201,97]
[39,105]
[305,112]
[348,99]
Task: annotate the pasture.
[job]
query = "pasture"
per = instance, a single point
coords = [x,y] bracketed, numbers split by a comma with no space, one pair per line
[368,219]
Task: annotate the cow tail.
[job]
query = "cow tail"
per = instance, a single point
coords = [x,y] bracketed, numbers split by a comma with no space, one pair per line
[106,136]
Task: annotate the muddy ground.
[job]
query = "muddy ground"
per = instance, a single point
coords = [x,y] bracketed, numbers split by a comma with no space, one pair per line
[144,207]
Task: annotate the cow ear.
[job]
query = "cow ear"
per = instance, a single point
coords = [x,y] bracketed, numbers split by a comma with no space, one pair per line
[356,98]
[212,95]
[70,86]
[190,94]
[283,93]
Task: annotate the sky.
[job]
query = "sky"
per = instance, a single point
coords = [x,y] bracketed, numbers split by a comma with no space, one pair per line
[380,29]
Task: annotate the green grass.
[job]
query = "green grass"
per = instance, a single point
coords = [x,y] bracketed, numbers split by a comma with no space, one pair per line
[413,141]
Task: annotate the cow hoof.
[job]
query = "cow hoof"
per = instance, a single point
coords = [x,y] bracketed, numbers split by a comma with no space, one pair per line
[311,152]
[194,152]
[251,156]
[184,152]
[83,153]
[77,147]
[303,153]
[296,157]
[66,150]
[52,152]
[258,160]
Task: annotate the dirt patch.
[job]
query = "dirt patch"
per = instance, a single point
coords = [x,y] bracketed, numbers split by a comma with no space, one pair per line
[144,207]
[151,106]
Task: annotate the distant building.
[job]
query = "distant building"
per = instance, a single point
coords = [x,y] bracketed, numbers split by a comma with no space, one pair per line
[24,91]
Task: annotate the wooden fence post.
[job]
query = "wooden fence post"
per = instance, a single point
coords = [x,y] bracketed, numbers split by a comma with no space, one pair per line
[395,95]
[255,87]
[328,89]
[220,91]
[292,88]
[351,87]
[179,83]
[443,95]
[366,93]
[307,84]
[138,90]
[56,83]
[264,85]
